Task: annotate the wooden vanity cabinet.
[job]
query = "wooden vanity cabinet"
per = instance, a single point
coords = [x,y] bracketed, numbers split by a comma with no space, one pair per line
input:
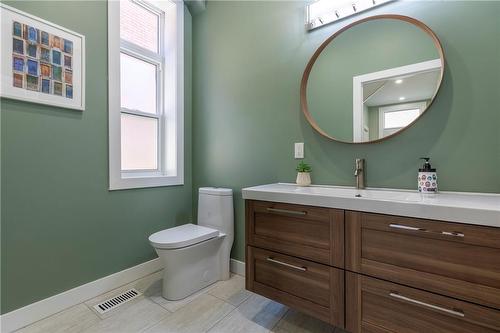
[375,273]
[312,233]
[312,288]
[295,255]
[376,306]
[453,259]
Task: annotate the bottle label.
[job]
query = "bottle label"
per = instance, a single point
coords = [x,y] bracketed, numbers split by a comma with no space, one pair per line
[427,182]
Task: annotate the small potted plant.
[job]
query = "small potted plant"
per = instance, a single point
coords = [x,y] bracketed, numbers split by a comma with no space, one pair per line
[303,174]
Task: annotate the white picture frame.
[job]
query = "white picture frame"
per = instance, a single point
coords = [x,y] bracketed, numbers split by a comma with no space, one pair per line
[57,53]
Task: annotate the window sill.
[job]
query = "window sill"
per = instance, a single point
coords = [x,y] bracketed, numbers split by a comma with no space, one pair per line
[130,182]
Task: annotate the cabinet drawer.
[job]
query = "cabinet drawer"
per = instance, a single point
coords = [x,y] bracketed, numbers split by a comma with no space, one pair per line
[307,232]
[313,288]
[378,306]
[458,260]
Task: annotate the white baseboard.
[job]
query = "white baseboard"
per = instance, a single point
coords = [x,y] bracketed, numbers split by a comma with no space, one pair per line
[28,314]
[237,267]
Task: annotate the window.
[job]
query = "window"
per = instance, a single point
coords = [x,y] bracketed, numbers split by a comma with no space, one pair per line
[395,117]
[145,93]
[400,119]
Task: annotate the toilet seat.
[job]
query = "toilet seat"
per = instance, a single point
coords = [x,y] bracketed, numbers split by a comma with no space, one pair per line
[182,236]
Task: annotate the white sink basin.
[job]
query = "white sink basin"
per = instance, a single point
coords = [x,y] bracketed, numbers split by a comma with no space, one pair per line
[392,195]
[473,208]
[338,191]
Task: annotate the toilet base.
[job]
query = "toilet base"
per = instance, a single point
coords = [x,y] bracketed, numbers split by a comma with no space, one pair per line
[190,269]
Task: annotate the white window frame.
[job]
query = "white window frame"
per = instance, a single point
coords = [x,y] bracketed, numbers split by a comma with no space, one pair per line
[171,100]
[421,106]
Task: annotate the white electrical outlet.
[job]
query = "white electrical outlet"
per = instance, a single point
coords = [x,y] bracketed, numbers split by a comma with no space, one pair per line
[299,150]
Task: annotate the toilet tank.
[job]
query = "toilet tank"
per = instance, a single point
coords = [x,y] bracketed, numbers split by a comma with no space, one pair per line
[215,209]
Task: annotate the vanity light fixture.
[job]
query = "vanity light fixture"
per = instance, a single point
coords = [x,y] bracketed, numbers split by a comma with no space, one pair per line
[321,12]
[398,81]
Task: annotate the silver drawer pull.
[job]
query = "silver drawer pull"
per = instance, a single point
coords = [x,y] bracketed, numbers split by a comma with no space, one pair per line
[445,233]
[405,227]
[303,269]
[286,211]
[452,233]
[435,307]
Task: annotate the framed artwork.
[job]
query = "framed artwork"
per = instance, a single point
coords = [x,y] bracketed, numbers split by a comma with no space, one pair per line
[41,62]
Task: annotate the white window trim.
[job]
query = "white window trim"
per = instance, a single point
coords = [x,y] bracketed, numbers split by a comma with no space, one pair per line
[421,106]
[172,172]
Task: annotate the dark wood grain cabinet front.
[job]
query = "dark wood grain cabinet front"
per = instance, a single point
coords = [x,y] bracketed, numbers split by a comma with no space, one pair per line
[312,233]
[376,306]
[312,288]
[453,259]
[375,273]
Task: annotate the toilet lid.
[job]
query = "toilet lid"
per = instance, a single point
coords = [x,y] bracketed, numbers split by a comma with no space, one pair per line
[181,236]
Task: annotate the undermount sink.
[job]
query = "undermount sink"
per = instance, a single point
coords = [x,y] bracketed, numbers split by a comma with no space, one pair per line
[393,195]
[375,194]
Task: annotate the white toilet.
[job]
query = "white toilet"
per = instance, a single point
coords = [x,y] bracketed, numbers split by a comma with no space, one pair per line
[195,256]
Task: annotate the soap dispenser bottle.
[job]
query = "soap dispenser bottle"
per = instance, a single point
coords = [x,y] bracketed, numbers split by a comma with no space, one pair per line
[427,178]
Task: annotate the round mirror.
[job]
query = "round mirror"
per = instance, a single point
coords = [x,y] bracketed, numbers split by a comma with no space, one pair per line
[372,79]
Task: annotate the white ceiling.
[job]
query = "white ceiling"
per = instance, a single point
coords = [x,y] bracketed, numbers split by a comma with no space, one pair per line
[415,87]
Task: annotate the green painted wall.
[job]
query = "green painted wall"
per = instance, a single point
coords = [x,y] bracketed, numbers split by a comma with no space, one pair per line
[61,227]
[373,122]
[366,48]
[248,59]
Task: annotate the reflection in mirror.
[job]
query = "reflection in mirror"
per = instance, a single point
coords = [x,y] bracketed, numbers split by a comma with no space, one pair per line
[389,100]
[373,79]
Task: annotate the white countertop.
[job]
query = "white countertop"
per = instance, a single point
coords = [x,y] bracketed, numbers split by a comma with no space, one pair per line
[473,208]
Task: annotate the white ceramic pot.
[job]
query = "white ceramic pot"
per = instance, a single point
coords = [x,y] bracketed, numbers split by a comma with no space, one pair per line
[303,178]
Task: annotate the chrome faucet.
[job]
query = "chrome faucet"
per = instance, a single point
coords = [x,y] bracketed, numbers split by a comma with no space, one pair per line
[359,173]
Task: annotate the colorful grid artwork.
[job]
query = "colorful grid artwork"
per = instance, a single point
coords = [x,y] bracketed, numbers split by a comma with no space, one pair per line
[41,61]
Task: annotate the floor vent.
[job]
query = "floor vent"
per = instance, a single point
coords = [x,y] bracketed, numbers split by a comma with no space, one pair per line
[116,301]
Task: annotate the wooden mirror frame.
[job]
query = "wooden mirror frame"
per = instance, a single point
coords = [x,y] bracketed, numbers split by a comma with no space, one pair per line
[317,53]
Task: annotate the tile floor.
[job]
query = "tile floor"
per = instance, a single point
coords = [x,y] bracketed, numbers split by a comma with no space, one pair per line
[224,307]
